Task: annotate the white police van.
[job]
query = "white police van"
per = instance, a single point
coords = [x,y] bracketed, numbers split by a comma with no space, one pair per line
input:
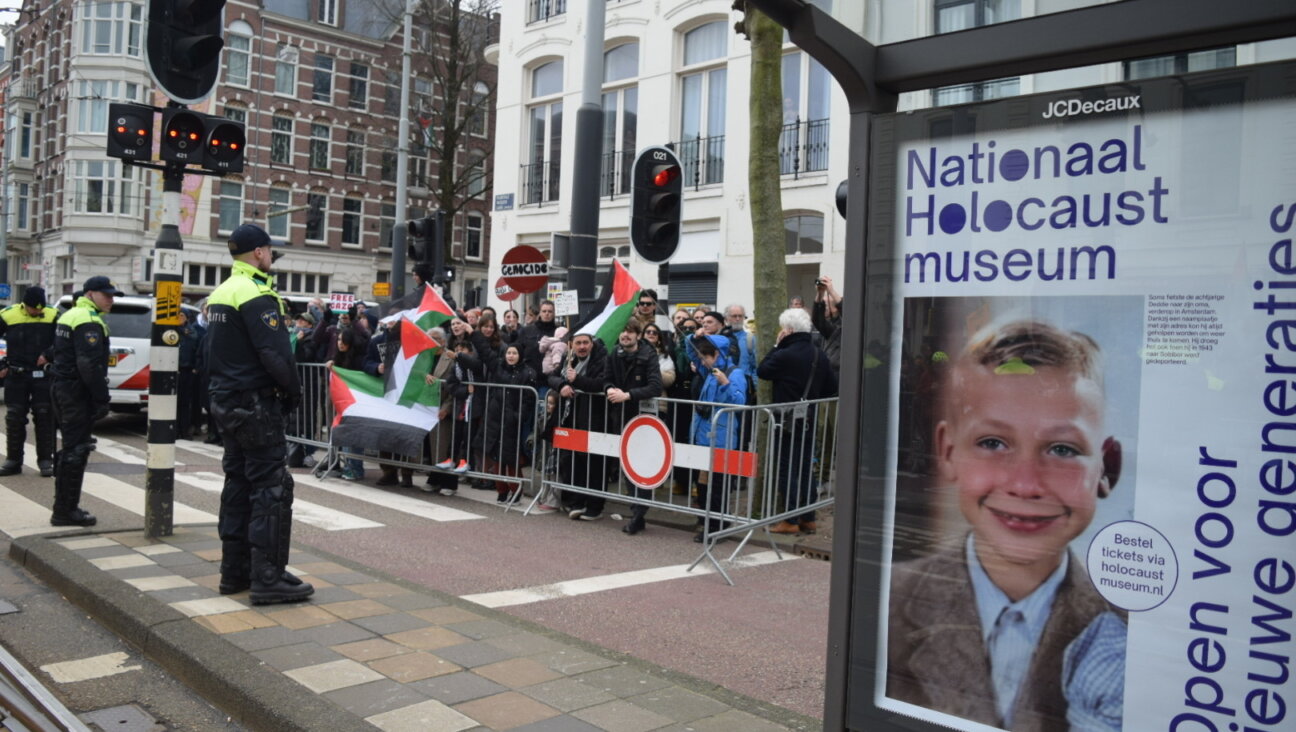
[130,325]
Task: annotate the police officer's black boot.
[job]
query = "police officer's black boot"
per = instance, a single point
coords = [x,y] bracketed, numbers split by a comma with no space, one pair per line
[15,436]
[46,437]
[235,567]
[270,533]
[67,493]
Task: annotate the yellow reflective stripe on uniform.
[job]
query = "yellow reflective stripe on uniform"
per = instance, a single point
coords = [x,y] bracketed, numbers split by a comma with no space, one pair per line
[17,315]
[245,283]
[83,312]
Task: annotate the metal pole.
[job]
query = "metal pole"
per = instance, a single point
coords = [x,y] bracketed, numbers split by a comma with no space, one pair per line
[164,360]
[398,274]
[585,184]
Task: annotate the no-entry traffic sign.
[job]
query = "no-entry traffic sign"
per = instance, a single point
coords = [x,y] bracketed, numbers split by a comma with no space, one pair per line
[647,451]
[504,292]
[525,268]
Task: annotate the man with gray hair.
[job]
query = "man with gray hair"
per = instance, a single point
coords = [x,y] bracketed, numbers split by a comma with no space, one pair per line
[800,372]
[736,327]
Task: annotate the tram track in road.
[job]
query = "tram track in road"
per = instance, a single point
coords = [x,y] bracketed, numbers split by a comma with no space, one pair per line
[24,699]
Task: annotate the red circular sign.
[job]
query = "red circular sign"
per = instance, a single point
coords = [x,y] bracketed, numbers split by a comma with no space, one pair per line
[504,292]
[647,451]
[525,268]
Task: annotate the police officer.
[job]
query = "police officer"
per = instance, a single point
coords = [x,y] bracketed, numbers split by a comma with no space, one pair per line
[80,393]
[28,327]
[254,384]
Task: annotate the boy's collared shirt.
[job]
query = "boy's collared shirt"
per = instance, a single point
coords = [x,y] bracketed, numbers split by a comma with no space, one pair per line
[1010,630]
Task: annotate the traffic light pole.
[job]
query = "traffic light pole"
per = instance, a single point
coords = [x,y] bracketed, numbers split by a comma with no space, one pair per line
[589,142]
[164,360]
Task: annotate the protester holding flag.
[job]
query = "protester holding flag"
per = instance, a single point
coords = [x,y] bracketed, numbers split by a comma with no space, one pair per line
[506,408]
[375,364]
[349,356]
[458,390]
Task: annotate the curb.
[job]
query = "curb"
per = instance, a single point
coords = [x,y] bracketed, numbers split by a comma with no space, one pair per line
[252,693]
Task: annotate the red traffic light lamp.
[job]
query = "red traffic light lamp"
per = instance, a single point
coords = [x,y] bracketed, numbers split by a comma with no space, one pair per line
[656,204]
[223,151]
[182,135]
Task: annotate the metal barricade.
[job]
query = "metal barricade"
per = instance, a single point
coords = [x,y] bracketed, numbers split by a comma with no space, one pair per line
[484,435]
[768,466]
[307,428]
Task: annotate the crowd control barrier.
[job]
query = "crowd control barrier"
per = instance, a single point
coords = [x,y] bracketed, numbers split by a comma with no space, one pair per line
[768,463]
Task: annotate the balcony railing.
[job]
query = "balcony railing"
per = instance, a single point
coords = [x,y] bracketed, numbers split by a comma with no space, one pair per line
[21,87]
[540,183]
[803,147]
[703,160]
[542,10]
[614,179]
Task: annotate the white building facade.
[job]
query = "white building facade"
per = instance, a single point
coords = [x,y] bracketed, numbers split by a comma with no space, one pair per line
[676,73]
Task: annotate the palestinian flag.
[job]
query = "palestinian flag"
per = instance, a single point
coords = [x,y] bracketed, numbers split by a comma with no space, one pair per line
[392,415]
[614,308]
[416,357]
[432,311]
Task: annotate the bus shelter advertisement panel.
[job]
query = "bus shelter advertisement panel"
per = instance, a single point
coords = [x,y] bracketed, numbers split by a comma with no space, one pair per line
[1092,493]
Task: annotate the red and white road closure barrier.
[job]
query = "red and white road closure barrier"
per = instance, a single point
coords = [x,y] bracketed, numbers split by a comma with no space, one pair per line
[648,454]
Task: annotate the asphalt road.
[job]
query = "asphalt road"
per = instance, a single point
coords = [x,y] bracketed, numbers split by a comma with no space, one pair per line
[765,637]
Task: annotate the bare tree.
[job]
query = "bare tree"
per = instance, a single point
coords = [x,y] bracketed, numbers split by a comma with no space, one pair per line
[452,125]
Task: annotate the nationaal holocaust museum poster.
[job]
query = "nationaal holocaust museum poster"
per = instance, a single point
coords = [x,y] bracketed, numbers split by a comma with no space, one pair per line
[1092,498]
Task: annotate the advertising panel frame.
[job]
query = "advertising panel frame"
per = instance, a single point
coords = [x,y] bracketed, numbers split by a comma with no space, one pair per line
[883,292]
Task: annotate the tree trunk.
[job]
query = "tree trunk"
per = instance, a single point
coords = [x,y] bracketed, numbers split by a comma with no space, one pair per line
[764,182]
[769,275]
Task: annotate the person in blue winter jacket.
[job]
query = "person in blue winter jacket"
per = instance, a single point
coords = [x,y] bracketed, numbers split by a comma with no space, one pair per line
[723,384]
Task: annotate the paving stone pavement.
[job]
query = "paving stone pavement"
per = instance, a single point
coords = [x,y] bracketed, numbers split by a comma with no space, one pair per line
[396,656]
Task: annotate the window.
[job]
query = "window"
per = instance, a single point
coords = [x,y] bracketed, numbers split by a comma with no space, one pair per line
[540,175]
[355,152]
[97,187]
[620,118]
[322,89]
[538,10]
[391,104]
[422,95]
[957,15]
[702,109]
[281,131]
[473,236]
[319,145]
[804,234]
[476,174]
[352,215]
[238,52]
[803,144]
[316,215]
[1184,63]
[21,209]
[236,113]
[386,225]
[112,29]
[480,108]
[231,205]
[92,105]
[418,166]
[286,71]
[389,163]
[328,12]
[280,199]
[359,85]
[25,141]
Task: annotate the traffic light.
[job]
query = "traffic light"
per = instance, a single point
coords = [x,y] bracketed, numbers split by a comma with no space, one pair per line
[130,131]
[183,133]
[184,46]
[656,204]
[223,149]
[427,244]
[215,143]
